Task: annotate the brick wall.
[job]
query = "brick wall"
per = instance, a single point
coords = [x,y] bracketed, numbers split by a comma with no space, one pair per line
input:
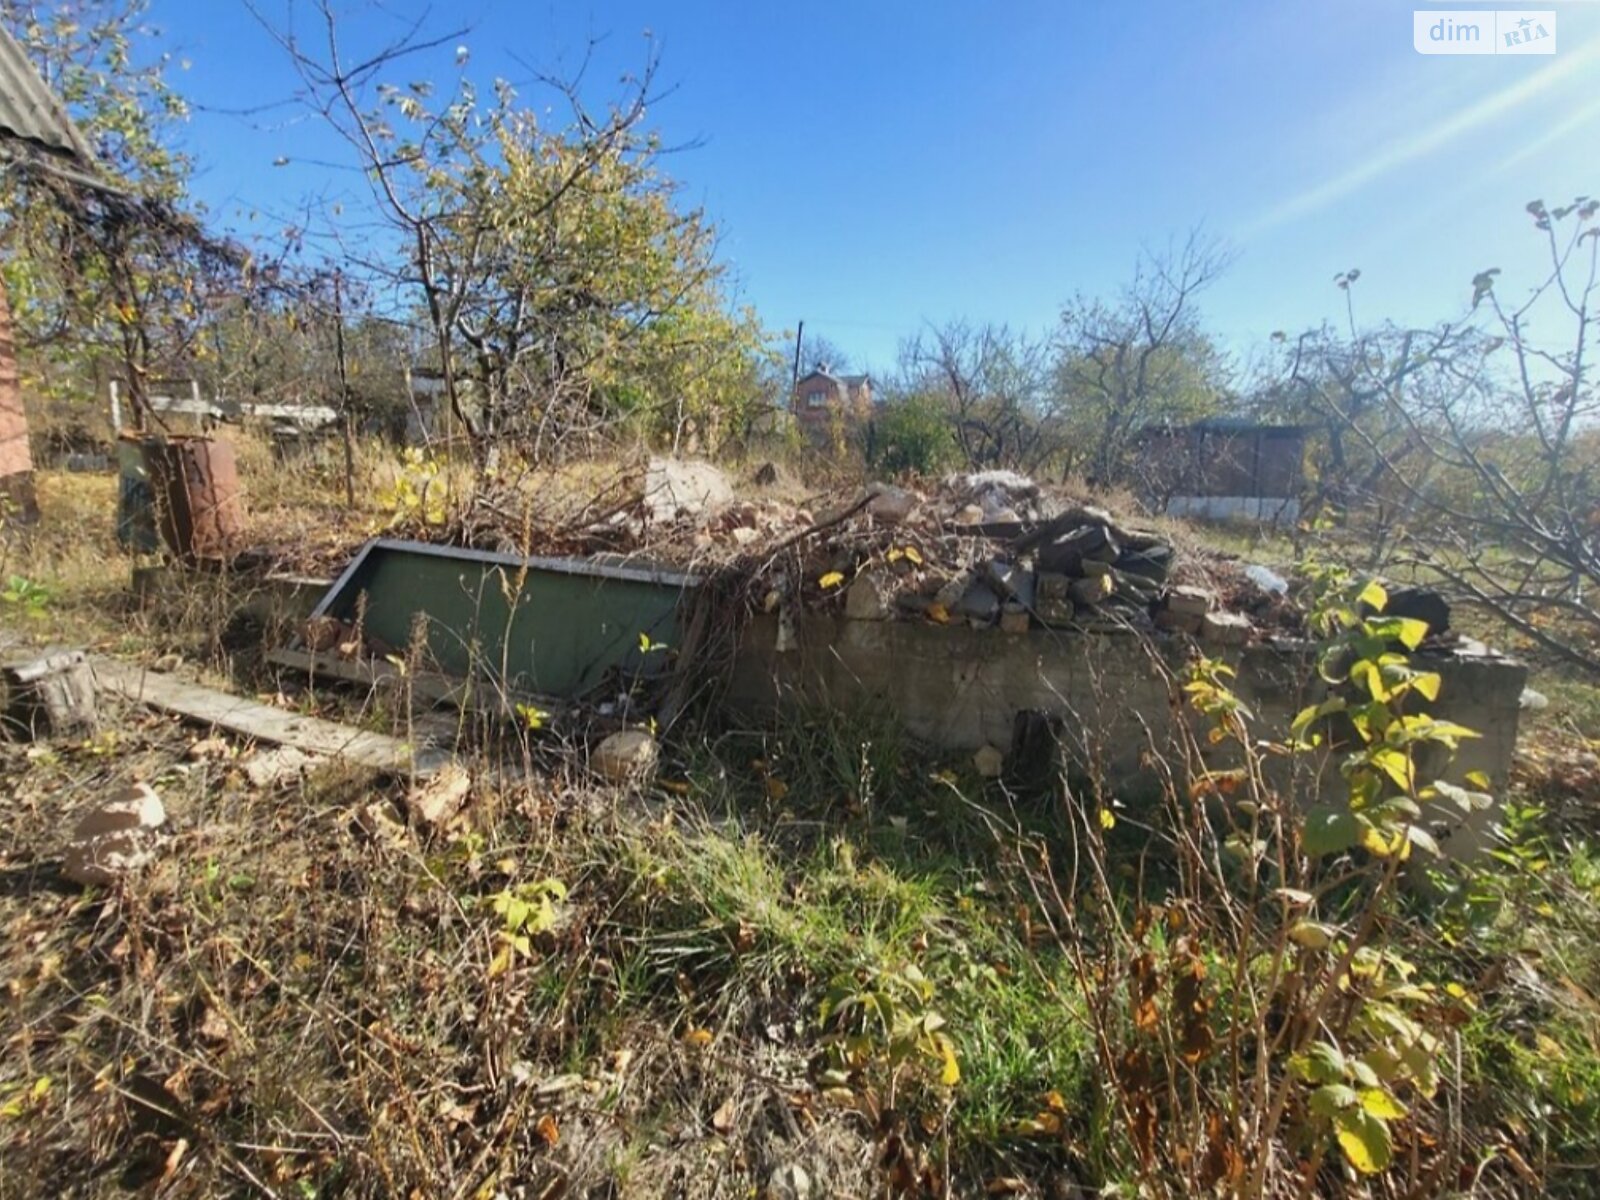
[854,403]
[16,462]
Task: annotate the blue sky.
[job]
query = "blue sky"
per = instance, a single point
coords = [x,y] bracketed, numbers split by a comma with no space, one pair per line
[877,165]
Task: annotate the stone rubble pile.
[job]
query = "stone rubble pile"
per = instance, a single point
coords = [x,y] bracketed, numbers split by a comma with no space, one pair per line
[997,550]
[988,549]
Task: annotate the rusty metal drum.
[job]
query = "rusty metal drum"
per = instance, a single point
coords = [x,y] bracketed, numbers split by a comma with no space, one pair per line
[196,486]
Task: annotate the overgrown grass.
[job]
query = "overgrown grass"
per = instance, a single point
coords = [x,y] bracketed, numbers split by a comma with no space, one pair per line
[304,1006]
[288,1004]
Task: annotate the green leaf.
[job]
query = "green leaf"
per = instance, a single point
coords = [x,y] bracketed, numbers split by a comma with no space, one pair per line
[1420,1058]
[1328,1099]
[1419,836]
[1363,1073]
[1459,796]
[1315,712]
[1329,831]
[1364,1139]
[1322,1063]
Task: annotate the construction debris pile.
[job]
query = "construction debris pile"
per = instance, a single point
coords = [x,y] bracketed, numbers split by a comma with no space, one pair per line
[986,549]
[996,549]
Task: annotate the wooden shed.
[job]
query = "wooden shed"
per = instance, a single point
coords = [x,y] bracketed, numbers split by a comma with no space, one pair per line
[1225,467]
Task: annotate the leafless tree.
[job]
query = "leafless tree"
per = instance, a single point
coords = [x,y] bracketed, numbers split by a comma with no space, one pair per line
[994,382]
[1142,358]
[1486,434]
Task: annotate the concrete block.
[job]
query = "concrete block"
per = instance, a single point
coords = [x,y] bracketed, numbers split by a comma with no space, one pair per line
[868,597]
[979,604]
[1067,554]
[1053,586]
[961,689]
[890,504]
[1054,613]
[1133,587]
[1225,628]
[1015,620]
[626,757]
[1010,581]
[1190,601]
[1177,622]
[1091,589]
[951,590]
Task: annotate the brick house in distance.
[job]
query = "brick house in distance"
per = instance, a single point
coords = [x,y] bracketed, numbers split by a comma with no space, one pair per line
[822,397]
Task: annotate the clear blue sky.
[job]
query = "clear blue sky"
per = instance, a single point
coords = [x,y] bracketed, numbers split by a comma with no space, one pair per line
[877,165]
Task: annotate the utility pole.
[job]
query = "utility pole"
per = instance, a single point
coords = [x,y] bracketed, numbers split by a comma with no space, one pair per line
[794,381]
[344,390]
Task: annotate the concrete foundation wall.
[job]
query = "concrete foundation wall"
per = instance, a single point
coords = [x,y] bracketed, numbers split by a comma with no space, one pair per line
[960,688]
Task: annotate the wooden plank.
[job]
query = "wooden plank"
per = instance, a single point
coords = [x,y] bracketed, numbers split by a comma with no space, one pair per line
[207,706]
[50,695]
[426,685]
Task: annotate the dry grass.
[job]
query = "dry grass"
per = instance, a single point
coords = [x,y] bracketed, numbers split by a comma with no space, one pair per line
[288,1005]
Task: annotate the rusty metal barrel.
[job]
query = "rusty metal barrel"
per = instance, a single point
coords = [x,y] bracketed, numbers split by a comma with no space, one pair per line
[196,486]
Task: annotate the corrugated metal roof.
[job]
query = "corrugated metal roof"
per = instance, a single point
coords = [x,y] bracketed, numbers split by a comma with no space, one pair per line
[29,112]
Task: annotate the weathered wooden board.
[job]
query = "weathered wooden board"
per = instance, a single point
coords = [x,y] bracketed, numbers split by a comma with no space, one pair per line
[423,685]
[207,706]
[48,695]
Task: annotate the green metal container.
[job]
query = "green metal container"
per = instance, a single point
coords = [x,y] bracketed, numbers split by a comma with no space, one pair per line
[547,626]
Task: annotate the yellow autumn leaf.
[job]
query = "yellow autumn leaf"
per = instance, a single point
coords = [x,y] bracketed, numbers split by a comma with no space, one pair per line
[914,555]
[939,614]
[950,1072]
[698,1037]
[1381,1104]
[1311,934]
[831,580]
[1108,819]
[1047,1124]
[1373,841]
[1364,1140]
